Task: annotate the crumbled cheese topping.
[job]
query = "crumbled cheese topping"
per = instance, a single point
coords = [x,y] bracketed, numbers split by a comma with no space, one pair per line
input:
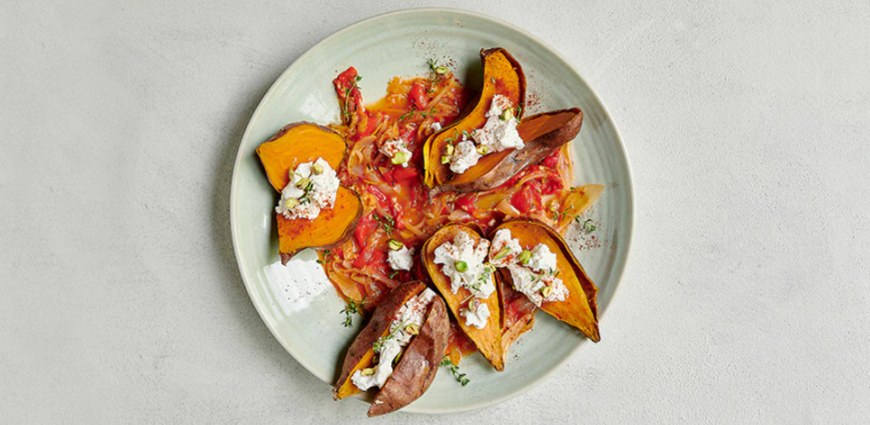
[389,347]
[464,157]
[397,151]
[475,275]
[476,317]
[537,276]
[401,259]
[499,134]
[312,187]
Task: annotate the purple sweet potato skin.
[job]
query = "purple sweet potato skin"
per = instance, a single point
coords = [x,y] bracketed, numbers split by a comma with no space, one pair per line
[419,363]
[377,326]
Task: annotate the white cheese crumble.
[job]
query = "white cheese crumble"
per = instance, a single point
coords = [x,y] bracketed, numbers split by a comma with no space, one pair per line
[499,134]
[312,187]
[464,156]
[389,347]
[476,277]
[401,259]
[435,126]
[476,317]
[536,278]
[542,259]
[397,151]
[504,249]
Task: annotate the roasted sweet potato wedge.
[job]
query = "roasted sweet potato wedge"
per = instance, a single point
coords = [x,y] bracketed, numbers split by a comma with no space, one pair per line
[503,75]
[418,365]
[519,315]
[360,354]
[298,143]
[542,134]
[487,340]
[579,309]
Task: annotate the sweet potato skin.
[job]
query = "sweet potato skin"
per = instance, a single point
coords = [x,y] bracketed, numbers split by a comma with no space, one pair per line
[331,228]
[543,133]
[580,309]
[487,340]
[419,364]
[360,353]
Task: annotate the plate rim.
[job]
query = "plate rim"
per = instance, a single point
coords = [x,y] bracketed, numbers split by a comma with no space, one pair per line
[620,268]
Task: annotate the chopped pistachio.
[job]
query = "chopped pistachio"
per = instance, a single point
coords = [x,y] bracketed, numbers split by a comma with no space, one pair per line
[400,158]
[445,159]
[317,168]
[525,256]
[395,245]
[554,205]
[441,70]
[546,291]
[461,266]
[290,203]
[367,372]
[412,329]
[483,149]
[449,148]
[502,253]
[473,304]
[507,114]
[302,183]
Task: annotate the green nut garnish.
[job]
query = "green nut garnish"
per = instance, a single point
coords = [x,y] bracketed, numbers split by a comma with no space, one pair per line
[445,159]
[502,253]
[412,329]
[400,158]
[449,150]
[507,114]
[483,149]
[290,203]
[302,183]
[441,70]
[395,245]
[367,372]
[317,168]
[461,266]
[546,291]
[525,256]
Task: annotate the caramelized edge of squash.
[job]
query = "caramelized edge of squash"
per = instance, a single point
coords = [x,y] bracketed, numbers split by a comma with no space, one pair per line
[489,339]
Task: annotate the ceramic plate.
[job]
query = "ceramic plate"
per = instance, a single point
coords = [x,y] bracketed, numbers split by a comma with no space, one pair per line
[298,303]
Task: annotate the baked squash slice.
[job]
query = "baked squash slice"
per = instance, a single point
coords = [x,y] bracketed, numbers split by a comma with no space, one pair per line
[296,144]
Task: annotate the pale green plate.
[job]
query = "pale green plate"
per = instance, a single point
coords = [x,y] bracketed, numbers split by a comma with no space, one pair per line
[297,302]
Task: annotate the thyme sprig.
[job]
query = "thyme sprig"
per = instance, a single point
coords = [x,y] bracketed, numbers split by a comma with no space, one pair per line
[454,370]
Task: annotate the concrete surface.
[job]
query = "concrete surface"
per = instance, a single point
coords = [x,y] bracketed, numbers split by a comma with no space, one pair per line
[746,299]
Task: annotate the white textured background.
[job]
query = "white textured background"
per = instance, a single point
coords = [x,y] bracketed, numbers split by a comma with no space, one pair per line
[747,294]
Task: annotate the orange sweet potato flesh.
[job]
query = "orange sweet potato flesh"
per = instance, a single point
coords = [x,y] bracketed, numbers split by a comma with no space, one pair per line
[360,354]
[580,308]
[419,363]
[503,75]
[298,143]
[332,227]
[541,133]
[487,340]
[295,144]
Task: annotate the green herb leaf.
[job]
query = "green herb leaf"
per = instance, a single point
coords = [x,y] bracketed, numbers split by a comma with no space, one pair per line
[454,370]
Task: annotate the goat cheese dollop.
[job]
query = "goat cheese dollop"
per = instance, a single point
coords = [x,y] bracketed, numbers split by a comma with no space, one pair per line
[312,187]
[401,259]
[500,131]
[463,263]
[397,151]
[407,323]
[534,273]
